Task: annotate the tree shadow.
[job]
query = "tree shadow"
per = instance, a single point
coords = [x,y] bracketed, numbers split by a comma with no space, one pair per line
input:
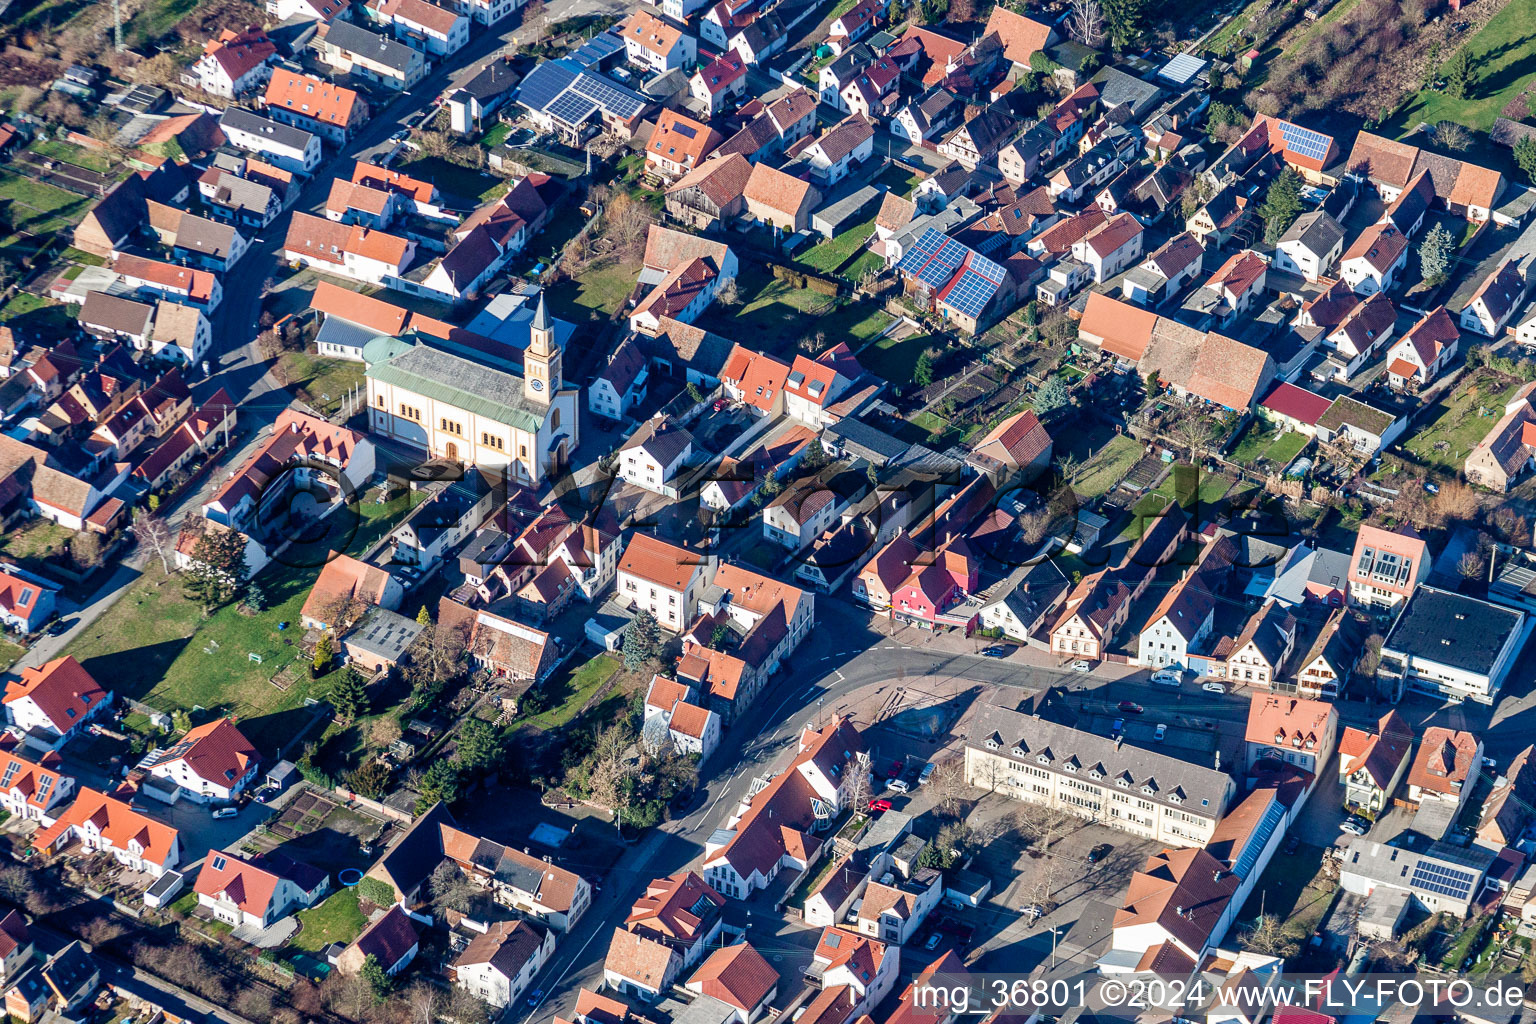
[134,671]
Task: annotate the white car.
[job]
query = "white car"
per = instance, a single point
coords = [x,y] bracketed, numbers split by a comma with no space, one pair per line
[1213,688]
[226,812]
[1354,828]
[1168,677]
[1162,730]
[1081,666]
[900,785]
[926,774]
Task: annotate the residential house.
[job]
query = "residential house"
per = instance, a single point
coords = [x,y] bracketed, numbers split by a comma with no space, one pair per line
[1498,296]
[1371,264]
[739,976]
[1022,38]
[621,384]
[768,619]
[1099,603]
[243,202]
[1362,332]
[1111,247]
[345,588]
[352,251]
[212,762]
[719,83]
[302,451]
[329,111]
[893,913]
[854,24]
[1424,352]
[435,31]
[1328,665]
[654,456]
[159,280]
[1387,566]
[111,318]
[104,824]
[1228,293]
[1508,450]
[979,139]
[500,646]
[663,579]
[480,98]
[685,272]
[1263,647]
[677,145]
[1310,246]
[371,57]
[1183,901]
[964,287]
[31,791]
[1372,764]
[777,826]
[853,968]
[55,702]
[1299,732]
[235,63]
[26,601]
[285,146]
[1462,188]
[16,946]
[1436,878]
[1442,777]
[1149,793]
[500,963]
[72,976]
[1364,427]
[656,43]
[932,115]
[257,892]
[831,157]
[391,940]
[1164,273]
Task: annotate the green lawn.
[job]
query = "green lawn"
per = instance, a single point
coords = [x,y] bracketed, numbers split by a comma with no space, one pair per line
[1502,55]
[461,181]
[1108,467]
[569,689]
[337,919]
[9,652]
[899,181]
[1222,41]
[37,313]
[1453,427]
[325,380]
[158,647]
[1276,447]
[496,136]
[39,209]
[781,314]
[834,252]
[894,358]
[68,152]
[601,289]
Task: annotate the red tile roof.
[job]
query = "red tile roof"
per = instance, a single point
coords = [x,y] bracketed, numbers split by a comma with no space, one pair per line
[62,689]
[1296,403]
[738,975]
[1447,760]
[310,97]
[118,823]
[216,751]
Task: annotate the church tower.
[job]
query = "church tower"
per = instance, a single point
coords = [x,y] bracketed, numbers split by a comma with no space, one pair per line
[541,362]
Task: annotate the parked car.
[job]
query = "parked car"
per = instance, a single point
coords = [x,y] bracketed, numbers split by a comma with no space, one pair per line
[534,997]
[1081,666]
[266,794]
[1099,852]
[1353,827]
[880,804]
[1034,911]
[926,774]
[900,785]
[1130,707]
[1118,727]
[1489,762]
[1213,688]
[1168,677]
[226,812]
[933,941]
[1162,730]
[997,651]
[894,770]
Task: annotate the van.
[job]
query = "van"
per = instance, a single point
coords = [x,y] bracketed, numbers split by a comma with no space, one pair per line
[1168,677]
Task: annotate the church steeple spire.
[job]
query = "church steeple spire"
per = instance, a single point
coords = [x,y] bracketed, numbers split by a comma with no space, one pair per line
[541,362]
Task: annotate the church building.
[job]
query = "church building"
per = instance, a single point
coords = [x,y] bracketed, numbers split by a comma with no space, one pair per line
[468,406]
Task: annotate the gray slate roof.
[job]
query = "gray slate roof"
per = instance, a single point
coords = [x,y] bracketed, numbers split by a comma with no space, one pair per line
[243,120]
[1192,788]
[1316,230]
[377,48]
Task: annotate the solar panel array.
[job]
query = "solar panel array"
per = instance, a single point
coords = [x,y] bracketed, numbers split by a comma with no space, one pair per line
[1181,68]
[1446,881]
[1304,141]
[975,287]
[597,49]
[570,94]
[933,258]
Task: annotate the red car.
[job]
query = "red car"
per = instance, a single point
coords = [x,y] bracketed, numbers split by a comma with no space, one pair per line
[719,404]
[895,771]
[880,804]
[1130,707]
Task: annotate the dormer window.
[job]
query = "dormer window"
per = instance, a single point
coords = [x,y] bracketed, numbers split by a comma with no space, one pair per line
[1042,759]
[1016,752]
[1122,784]
[992,745]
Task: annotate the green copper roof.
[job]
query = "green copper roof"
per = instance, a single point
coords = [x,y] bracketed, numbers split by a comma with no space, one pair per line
[444,377]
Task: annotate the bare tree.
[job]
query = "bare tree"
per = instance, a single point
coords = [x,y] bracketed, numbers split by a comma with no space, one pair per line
[1040,825]
[1471,565]
[948,787]
[154,535]
[1085,23]
[422,999]
[1268,936]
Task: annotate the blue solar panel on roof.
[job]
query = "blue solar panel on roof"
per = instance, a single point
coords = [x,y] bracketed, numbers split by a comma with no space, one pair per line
[544,83]
[685,130]
[1304,141]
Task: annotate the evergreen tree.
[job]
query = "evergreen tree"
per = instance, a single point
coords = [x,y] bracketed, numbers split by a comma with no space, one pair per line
[479,745]
[378,979]
[423,618]
[1052,395]
[349,693]
[1459,76]
[1282,205]
[1126,19]
[323,653]
[922,373]
[642,640]
[1435,253]
[1525,156]
[218,569]
[442,781]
